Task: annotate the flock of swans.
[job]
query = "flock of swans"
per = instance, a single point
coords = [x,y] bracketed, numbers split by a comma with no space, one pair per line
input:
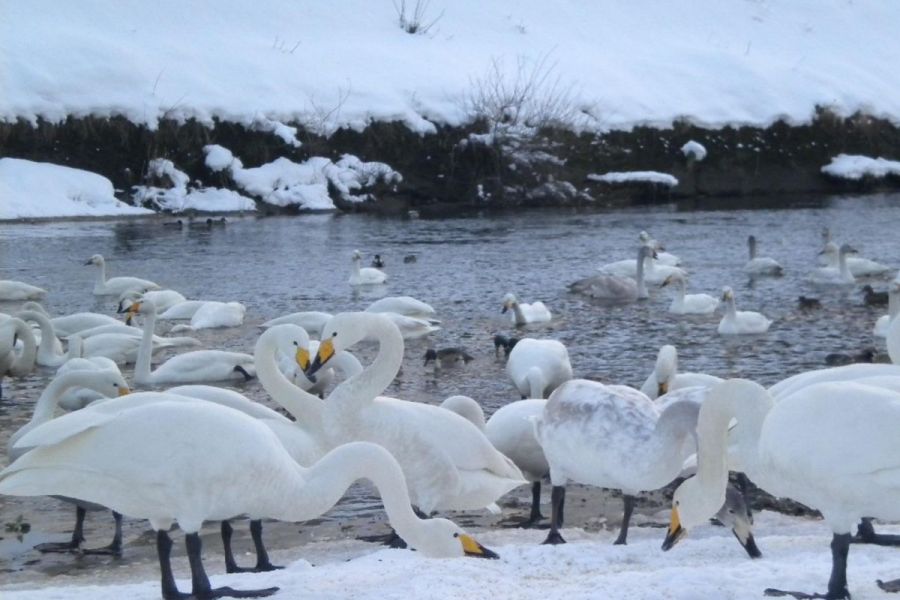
[197,452]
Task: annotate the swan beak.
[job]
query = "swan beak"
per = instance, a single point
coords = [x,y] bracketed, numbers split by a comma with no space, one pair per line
[663,388]
[89,262]
[473,548]
[746,540]
[124,391]
[302,358]
[504,309]
[326,351]
[675,533]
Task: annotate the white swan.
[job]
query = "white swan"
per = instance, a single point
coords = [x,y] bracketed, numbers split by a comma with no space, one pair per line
[344,362]
[13,291]
[311,320]
[837,275]
[881,325]
[67,325]
[857,265]
[314,321]
[523,314]
[182,311]
[449,464]
[738,322]
[365,275]
[537,367]
[411,328]
[467,408]
[831,446]
[614,436]
[163,299]
[689,304]
[403,305]
[852,372]
[663,257]
[617,288]
[77,398]
[666,378]
[213,314]
[116,286]
[893,342]
[190,367]
[654,273]
[140,459]
[761,265]
[11,363]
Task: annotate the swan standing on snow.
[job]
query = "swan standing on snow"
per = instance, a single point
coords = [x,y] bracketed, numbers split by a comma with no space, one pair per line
[665,377]
[614,436]
[117,285]
[831,446]
[617,288]
[141,459]
[537,367]
[689,304]
[761,265]
[13,291]
[190,367]
[858,266]
[523,314]
[365,275]
[739,322]
[449,464]
[835,275]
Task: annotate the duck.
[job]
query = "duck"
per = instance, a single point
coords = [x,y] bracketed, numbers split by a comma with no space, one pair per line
[377,262]
[524,314]
[873,298]
[811,446]
[312,321]
[882,323]
[806,303]
[190,367]
[403,305]
[689,304]
[365,275]
[663,257]
[665,376]
[856,265]
[140,459]
[761,265]
[614,436]
[116,286]
[447,357]
[740,322]
[409,258]
[449,464]
[614,287]
[14,291]
[504,343]
[537,367]
[836,359]
[835,275]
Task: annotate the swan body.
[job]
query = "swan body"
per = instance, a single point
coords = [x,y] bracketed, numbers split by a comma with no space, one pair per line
[537,367]
[449,464]
[213,314]
[881,325]
[761,265]
[78,397]
[190,367]
[739,322]
[662,257]
[832,446]
[116,286]
[665,376]
[856,371]
[511,430]
[403,305]
[365,275]
[67,325]
[16,290]
[835,275]
[654,273]
[312,321]
[857,265]
[411,327]
[689,304]
[467,408]
[163,299]
[182,311]
[523,314]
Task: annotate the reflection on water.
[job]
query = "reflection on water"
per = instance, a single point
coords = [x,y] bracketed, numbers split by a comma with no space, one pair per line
[465,265]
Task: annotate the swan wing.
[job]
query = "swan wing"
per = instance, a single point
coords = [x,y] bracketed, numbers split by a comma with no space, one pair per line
[203,365]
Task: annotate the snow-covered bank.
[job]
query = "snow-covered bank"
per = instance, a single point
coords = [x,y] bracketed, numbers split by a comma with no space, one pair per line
[708,565]
[346,63]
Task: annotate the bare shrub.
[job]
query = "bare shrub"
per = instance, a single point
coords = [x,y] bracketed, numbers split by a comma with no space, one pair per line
[415,20]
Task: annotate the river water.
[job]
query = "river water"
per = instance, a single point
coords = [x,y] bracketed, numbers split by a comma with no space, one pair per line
[463,267]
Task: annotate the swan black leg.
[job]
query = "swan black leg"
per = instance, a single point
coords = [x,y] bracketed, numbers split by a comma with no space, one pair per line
[77,536]
[164,552]
[262,556]
[626,520]
[230,564]
[557,499]
[535,515]
[837,583]
[115,546]
[743,484]
[200,587]
[865,534]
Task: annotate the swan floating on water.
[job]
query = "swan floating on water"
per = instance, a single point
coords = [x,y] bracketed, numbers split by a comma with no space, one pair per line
[761,265]
[663,257]
[739,322]
[365,275]
[617,288]
[537,367]
[116,286]
[689,304]
[523,314]
[403,305]
[835,275]
[857,265]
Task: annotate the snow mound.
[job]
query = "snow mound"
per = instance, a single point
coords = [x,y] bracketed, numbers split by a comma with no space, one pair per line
[635,176]
[34,190]
[179,198]
[852,166]
[694,150]
[219,158]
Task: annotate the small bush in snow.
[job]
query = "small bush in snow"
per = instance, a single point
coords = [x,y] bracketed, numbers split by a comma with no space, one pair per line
[414,20]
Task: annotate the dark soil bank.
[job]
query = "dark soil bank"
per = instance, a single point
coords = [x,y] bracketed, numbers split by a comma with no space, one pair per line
[461,167]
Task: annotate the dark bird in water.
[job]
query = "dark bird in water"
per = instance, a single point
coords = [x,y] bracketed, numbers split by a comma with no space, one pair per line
[447,357]
[409,258]
[501,341]
[837,359]
[377,262]
[874,298]
[808,303]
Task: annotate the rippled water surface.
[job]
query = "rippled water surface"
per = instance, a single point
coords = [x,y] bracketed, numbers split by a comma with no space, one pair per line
[464,266]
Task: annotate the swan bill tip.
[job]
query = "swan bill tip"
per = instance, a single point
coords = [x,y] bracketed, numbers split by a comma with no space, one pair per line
[472,548]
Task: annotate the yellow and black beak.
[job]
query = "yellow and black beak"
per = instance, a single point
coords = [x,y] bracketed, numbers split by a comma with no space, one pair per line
[663,388]
[326,351]
[124,391]
[472,548]
[302,358]
[675,533]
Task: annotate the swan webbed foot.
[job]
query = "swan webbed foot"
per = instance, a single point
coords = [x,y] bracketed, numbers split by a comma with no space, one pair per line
[772,592]
[227,592]
[51,547]
[554,538]
[113,549]
[889,586]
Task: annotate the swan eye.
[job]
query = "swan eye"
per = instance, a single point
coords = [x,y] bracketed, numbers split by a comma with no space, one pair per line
[334,334]
[456,535]
[115,385]
[296,344]
[677,503]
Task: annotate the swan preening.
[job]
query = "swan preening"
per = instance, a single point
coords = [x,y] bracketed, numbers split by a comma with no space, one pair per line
[523,314]
[116,286]
[832,446]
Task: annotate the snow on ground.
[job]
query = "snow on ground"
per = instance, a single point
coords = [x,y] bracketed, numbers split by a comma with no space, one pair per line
[707,565]
[635,176]
[179,198]
[694,150]
[849,166]
[327,64]
[32,189]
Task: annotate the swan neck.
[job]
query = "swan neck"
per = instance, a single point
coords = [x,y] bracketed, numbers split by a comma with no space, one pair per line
[536,383]
[303,406]
[730,309]
[47,347]
[360,389]
[25,361]
[641,285]
[142,371]
[100,280]
[520,314]
[893,304]
[675,424]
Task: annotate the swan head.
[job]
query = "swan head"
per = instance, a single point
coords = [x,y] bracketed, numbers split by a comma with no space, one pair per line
[96,260]
[107,382]
[442,538]
[727,294]
[289,339]
[357,256]
[690,507]
[666,367]
[734,514]
[847,249]
[671,279]
[509,301]
[751,241]
[343,330]
[136,307]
